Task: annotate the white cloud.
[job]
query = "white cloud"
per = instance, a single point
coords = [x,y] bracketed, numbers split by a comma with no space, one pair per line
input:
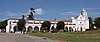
[39,11]
[70,13]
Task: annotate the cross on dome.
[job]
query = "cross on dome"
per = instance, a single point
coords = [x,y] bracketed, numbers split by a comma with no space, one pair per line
[83,9]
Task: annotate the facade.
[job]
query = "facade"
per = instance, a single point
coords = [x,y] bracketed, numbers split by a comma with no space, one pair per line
[80,23]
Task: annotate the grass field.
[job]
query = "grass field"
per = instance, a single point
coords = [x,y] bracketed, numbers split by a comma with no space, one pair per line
[88,36]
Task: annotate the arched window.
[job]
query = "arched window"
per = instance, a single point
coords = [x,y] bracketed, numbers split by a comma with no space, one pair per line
[70,29]
[29,29]
[66,28]
[81,28]
[15,28]
[36,29]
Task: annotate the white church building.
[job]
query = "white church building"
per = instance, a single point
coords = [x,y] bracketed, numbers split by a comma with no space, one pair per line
[80,23]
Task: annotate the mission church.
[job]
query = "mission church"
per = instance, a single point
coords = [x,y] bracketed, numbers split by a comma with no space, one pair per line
[79,23]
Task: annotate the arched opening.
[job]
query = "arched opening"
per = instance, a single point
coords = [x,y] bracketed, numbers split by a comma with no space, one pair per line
[53,29]
[81,28]
[70,29]
[36,29]
[15,28]
[66,29]
[24,30]
[29,29]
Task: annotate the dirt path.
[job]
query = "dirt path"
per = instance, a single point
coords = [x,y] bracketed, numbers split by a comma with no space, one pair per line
[10,37]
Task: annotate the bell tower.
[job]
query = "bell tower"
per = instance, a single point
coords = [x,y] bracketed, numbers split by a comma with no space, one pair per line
[83,13]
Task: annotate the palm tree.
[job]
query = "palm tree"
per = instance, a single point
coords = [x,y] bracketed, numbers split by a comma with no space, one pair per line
[31,16]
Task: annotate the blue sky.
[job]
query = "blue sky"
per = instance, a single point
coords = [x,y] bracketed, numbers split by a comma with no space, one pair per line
[59,9]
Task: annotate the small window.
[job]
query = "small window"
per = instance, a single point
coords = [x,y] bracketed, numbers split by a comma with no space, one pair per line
[80,22]
[81,13]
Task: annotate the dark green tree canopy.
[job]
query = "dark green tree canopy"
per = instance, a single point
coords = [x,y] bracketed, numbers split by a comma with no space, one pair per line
[31,16]
[3,24]
[97,22]
[60,25]
[90,23]
[21,23]
[32,9]
[46,24]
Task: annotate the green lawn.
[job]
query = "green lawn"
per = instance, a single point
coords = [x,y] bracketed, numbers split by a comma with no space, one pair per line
[88,36]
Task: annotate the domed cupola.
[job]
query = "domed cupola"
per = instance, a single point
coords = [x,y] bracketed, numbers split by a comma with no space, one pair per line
[83,12]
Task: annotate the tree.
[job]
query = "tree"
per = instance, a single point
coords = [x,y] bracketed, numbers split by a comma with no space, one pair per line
[60,25]
[31,16]
[0,24]
[97,22]
[21,24]
[90,23]
[3,25]
[46,26]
